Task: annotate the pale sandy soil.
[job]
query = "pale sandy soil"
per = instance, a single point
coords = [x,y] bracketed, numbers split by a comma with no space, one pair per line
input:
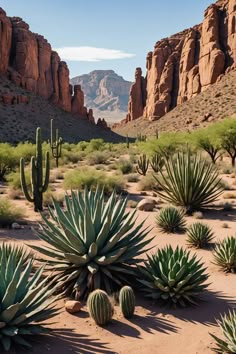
[153,329]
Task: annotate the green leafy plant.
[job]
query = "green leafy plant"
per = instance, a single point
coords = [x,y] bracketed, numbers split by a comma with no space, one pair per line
[171,220]
[173,276]
[199,235]
[143,164]
[100,307]
[125,166]
[227,325]
[38,186]
[26,301]
[127,301]
[225,254]
[93,244]
[189,182]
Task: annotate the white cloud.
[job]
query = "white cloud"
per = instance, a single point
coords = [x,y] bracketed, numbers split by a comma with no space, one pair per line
[92,54]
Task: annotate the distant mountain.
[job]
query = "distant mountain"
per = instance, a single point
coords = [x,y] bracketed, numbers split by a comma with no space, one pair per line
[105,92]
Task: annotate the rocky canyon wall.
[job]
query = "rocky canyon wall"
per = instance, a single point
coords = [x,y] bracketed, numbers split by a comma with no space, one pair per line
[27,59]
[187,63]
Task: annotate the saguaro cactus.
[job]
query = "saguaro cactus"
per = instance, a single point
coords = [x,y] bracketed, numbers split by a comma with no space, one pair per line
[37,185]
[55,144]
[127,141]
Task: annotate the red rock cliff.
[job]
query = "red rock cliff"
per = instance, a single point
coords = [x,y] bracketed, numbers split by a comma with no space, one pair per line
[28,60]
[187,63]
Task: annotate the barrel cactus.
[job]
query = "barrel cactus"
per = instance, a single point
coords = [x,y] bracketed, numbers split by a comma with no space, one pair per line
[127,301]
[100,307]
[26,301]
[94,243]
[173,277]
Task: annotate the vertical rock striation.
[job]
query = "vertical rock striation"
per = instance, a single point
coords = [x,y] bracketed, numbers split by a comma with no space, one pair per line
[187,63]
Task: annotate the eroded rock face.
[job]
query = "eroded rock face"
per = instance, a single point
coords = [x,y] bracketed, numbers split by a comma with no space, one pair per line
[27,59]
[187,63]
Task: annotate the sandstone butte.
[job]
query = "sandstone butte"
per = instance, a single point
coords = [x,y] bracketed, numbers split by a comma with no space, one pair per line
[27,59]
[187,63]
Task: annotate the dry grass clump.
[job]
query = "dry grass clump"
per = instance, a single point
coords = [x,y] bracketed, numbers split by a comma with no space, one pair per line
[9,213]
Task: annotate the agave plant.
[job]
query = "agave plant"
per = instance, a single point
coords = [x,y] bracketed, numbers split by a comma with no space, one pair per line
[93,244]
[25,301]
[173,277]
[227,325]
[17,252]
[171,220]
[225,254]
[199,235]
[189,182]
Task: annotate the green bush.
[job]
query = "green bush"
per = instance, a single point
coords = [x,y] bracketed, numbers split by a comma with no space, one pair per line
[9,213]
[90,177]
[125,166]
[98,158]
[8,160]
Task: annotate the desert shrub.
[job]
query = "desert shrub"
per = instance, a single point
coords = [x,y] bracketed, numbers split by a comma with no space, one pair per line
[9,213]
[97,158]
[70,156]
[147,183]
[227,324]
[125,166]
[189,182]
[95,145]
[14,181]
[25,150]
[90,177]
[8,160]
[198,215]
[173,276]
[133,178]
[171,220]
[208,140]
[199,235]
[50,195]
[225,254]
[98,247]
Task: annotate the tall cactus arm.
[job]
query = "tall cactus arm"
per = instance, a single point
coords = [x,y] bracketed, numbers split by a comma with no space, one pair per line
[23,181]
[33,175]
[47,172]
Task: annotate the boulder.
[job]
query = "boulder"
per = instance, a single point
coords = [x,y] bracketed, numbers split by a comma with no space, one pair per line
[146,204]
[73,306]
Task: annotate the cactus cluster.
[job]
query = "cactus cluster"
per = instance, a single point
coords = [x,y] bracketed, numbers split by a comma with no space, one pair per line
[38,185]
[157,162]
[55,144]
[143,164]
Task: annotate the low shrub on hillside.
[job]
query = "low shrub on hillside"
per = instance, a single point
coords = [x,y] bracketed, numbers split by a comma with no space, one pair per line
[125,166]
[90,177]
[98,158]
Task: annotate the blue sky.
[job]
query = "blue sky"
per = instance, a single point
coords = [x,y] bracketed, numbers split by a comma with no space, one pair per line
[91,31]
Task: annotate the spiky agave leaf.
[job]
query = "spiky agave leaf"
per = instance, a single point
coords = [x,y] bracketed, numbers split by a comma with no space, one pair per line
[189,182]
[17,252]
[227,325]
[173,276]
[225,254]
[25,301]
[171,220]
[92,244]
[199,235]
